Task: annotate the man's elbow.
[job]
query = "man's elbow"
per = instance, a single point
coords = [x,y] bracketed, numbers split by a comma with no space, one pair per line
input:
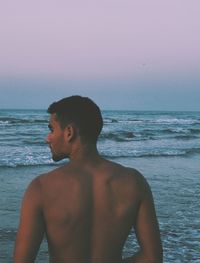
[156,257]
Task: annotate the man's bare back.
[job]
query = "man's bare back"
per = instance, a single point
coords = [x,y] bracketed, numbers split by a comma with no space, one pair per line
[86,209]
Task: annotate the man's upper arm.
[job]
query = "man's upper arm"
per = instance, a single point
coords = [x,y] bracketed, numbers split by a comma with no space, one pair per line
[31,227]
[146,227]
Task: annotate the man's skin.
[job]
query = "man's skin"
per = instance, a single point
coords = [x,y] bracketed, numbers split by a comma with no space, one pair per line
[86,208]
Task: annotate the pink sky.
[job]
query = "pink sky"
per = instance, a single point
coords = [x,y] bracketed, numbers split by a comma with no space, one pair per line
[145,52]
[99,38]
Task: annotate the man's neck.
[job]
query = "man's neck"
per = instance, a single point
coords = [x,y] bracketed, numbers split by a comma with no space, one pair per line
[84,153]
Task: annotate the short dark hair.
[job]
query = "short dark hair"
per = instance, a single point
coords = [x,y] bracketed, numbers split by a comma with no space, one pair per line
[81,111]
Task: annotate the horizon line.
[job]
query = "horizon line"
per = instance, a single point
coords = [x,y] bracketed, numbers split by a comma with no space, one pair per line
[141,110]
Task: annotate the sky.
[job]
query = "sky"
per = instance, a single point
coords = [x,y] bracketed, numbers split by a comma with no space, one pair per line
[124,54]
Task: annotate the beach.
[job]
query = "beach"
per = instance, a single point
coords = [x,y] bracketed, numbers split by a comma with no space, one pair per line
[163,146]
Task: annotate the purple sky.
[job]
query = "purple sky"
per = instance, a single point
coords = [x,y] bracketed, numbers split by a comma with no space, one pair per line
[98,47]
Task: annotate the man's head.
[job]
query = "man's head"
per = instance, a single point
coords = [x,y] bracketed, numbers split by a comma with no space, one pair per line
[83,113]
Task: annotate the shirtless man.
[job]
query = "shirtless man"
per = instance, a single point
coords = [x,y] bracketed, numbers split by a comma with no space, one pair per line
[87,207]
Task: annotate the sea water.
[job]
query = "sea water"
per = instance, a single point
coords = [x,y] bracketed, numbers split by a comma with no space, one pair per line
[164,146]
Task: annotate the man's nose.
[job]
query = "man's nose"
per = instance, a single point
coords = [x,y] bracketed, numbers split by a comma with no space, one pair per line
[47,140]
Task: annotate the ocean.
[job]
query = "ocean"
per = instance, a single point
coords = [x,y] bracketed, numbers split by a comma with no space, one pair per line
[163,146]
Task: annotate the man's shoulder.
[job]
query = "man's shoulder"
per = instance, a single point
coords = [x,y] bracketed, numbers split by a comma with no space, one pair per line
[135,175]
[54,172]
[126,175]
[126,172]
[43,179]
[127,182]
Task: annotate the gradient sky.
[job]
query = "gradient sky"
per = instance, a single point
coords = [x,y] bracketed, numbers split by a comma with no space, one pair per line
[124,54]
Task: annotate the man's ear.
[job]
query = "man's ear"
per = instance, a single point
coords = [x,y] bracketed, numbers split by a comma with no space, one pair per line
[70,132]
